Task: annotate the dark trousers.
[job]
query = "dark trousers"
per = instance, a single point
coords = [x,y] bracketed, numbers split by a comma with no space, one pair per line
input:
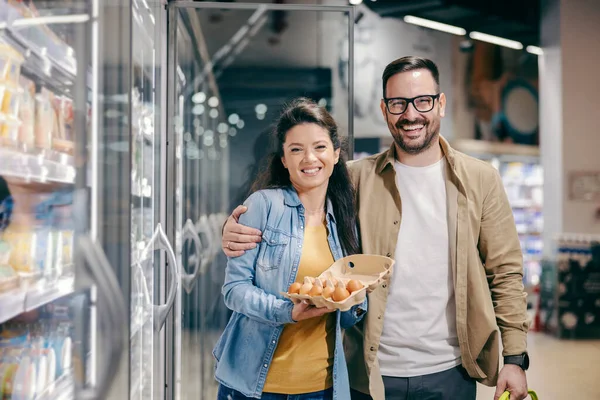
[454,384]
[229,394]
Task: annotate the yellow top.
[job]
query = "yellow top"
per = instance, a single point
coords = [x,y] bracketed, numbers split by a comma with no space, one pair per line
[303,360]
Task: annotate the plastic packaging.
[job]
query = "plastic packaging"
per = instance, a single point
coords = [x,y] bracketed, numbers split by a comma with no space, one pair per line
[10,64]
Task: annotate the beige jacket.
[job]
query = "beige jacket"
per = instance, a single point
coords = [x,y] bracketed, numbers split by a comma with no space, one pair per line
[486,261]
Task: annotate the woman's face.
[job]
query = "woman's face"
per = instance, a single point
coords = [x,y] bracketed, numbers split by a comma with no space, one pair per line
[309,156]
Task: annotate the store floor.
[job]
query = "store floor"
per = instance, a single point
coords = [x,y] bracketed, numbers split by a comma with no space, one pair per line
[560,370]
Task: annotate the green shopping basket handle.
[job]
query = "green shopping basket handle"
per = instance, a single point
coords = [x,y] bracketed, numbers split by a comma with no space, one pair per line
[532,394]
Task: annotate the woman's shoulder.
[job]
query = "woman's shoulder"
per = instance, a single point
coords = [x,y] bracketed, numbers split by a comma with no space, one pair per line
[266,196]
[266,201]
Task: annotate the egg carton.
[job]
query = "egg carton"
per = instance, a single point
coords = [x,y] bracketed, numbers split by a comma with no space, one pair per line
[370,270]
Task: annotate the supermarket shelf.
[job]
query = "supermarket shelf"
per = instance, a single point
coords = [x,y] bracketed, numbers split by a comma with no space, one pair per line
[11,304]
[42,166]
[18,301]
[47,60]
[61,389]
[486,147]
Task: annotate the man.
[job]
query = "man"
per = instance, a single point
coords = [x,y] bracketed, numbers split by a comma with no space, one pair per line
[432,331]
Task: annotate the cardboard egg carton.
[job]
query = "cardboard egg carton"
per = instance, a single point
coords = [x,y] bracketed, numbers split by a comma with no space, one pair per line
[370,270]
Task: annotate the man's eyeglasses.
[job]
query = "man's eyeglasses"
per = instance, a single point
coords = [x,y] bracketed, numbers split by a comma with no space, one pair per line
[398,105]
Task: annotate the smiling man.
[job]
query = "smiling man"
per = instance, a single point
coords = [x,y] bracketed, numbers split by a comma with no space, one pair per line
[432,331]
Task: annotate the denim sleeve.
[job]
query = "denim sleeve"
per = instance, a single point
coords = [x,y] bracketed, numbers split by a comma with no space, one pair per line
[354,315]
[239,290]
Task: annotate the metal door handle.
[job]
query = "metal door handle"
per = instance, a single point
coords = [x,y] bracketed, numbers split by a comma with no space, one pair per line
[115,311]
[160,241]
[188,281]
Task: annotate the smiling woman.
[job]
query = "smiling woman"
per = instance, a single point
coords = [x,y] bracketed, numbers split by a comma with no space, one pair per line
[303,204]
[310,158]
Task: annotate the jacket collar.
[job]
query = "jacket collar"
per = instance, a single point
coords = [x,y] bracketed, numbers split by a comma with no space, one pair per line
[291,199]
[389,157]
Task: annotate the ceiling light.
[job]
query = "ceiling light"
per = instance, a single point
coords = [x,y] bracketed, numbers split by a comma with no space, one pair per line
[199,97]
[222,128]
[535,50]
[260,108]
[198,109]
[455,30]
[213,102]
[241,124]
[484,37]
[214,113]
[355,2]
[233,119]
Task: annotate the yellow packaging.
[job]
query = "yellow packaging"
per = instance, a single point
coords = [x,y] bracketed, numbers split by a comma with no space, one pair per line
[10,64]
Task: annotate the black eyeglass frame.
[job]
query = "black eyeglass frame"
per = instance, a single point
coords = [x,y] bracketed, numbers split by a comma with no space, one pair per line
[411,100]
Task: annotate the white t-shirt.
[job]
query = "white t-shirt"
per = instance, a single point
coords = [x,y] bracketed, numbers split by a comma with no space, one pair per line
[419,330]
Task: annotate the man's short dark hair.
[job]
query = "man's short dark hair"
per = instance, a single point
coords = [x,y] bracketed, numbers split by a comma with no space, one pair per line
[410,63]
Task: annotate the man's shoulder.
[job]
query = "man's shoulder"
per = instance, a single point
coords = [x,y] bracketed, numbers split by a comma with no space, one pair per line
[470,165]
[364,164]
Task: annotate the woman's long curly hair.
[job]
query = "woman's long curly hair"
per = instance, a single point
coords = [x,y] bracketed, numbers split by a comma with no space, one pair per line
[340,189]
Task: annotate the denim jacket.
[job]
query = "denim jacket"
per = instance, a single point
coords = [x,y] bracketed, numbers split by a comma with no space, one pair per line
[252,289]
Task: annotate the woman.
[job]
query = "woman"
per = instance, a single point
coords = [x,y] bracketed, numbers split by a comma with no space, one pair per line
[304,205]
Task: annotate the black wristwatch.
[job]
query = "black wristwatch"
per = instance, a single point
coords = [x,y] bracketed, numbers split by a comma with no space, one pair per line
[521,360]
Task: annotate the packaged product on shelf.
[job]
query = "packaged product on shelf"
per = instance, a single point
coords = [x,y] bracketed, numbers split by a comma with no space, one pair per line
[9,279]
[9,131]
[10,65]
[28,254]
[63,135]
[27,114]
[44,119]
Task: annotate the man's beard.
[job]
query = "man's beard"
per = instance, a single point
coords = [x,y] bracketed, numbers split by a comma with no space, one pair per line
[432,129]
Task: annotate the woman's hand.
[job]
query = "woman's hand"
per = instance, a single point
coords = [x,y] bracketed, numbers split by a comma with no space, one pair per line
[302,310]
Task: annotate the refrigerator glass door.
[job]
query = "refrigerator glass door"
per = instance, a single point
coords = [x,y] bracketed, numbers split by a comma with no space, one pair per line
[232,67]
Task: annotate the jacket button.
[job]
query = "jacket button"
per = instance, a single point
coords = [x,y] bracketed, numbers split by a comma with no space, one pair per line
[372,348]
[379,317]
[396,222]
[388,255]
[266,366]
[384,286]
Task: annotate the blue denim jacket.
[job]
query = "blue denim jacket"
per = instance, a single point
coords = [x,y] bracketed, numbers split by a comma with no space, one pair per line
[252,289]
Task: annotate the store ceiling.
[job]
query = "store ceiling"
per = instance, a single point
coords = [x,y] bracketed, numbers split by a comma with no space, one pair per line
[512,19]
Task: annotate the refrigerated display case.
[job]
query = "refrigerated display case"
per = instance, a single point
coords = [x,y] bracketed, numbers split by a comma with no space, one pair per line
[229,74]
[59,297]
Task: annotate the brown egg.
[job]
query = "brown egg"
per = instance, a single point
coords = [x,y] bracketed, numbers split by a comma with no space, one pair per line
[305,289]
[328,290]
[295,288]
[317,288]
[340,293]
[354,285]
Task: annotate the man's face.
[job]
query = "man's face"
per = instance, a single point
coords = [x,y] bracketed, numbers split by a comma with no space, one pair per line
[413,131]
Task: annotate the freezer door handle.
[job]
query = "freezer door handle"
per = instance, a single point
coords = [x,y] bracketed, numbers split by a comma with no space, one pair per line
[160,241]
[115,313]
[188,281]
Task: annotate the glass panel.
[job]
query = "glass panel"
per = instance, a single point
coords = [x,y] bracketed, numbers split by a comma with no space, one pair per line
[235,69]
[146,350]
[43,137]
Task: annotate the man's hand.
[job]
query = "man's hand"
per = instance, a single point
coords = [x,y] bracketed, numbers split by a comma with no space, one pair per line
[302,310]
[513,379]
[238,238]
